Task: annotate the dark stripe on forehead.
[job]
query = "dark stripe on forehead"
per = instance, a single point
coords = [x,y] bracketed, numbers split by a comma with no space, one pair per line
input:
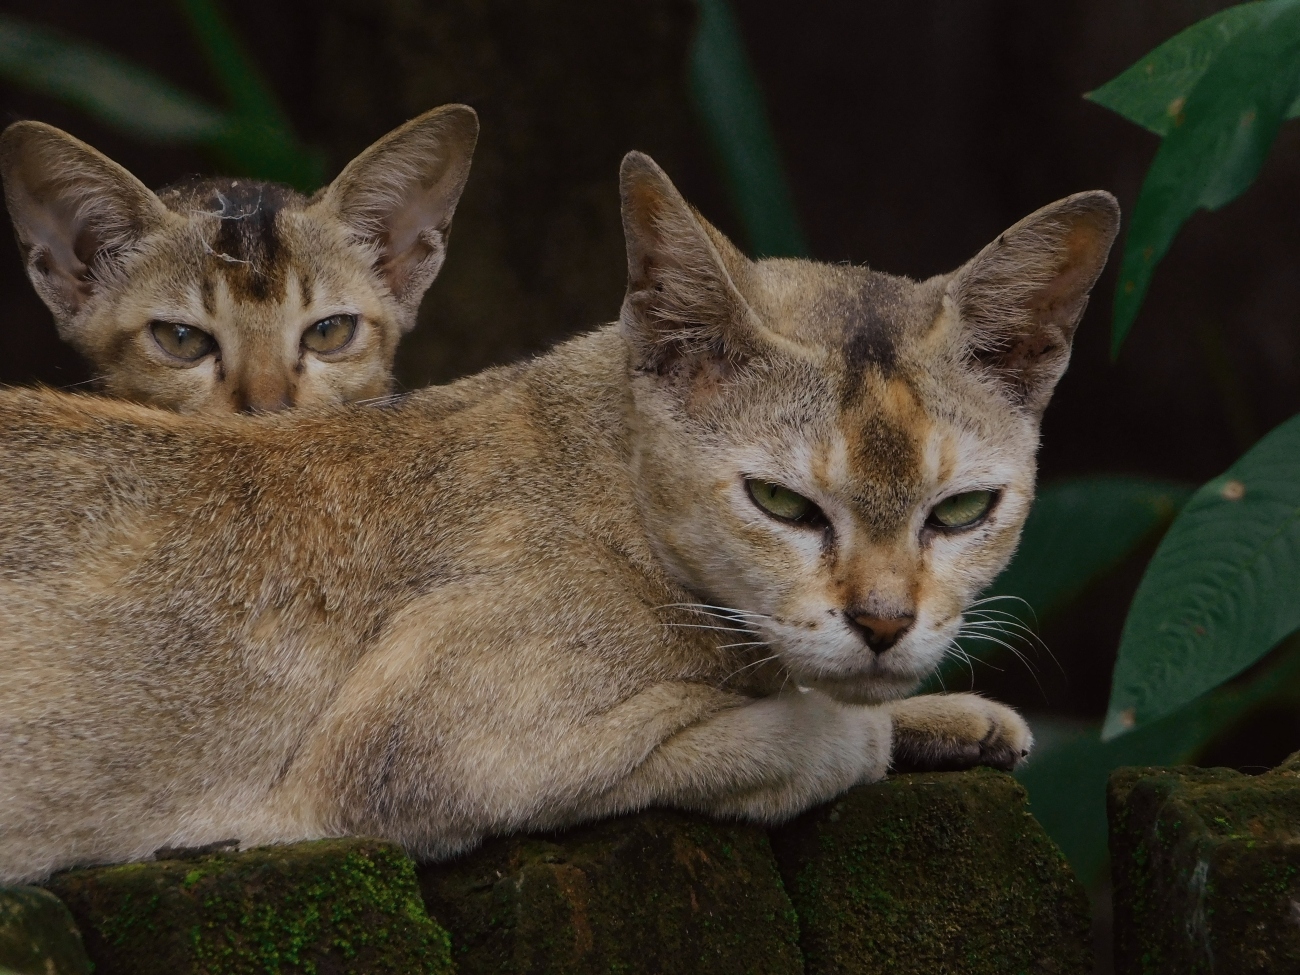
[870,316]
[247,248]
[248,244]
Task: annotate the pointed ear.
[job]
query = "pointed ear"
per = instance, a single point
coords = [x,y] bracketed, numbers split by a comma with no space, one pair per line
[398,197]
[1022,296]
[683,301]
[76,213]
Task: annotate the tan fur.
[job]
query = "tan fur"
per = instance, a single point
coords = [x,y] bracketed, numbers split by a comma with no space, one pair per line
[250,263]
[537,596]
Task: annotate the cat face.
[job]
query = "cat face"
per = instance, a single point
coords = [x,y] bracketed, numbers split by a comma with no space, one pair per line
[841,457]
[237,295]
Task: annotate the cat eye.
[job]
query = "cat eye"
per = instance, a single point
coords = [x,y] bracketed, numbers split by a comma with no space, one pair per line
[184,342]
[330,334]
[961,510]
[781,502]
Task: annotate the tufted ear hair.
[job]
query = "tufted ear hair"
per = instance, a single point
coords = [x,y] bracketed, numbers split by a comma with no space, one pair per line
[77,214]
[684,278]
[1021,298]
[398,197]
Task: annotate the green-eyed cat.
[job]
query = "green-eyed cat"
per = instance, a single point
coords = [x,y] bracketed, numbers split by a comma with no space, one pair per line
[697,558]
[223,295]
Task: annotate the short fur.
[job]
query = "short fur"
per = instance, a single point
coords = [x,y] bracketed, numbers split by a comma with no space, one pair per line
[541,594]
[251,263]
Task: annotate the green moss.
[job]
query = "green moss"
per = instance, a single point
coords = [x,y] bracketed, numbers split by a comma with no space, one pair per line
[659,892]
[310,908]
[938,874]
[1205,865]
[37,934]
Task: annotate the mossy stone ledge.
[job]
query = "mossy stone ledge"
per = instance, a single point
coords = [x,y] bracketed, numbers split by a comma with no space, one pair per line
[933,874]
[658,892]
[318,908]
[1206,870]
[38,935]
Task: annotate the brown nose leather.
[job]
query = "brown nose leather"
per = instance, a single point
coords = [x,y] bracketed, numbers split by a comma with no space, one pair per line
[881,633]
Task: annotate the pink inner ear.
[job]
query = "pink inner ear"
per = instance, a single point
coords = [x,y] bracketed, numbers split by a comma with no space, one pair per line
[1058,301]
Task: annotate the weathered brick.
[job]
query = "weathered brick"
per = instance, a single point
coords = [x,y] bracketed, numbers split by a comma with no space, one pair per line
[1206,870]
[331,906]
[660,892]
[933,874]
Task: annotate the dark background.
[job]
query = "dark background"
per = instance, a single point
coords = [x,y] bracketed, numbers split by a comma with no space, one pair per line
[912,134]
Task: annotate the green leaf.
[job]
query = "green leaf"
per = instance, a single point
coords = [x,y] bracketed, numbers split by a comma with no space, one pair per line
[1222,589]
[730,103]
[1067,771]
[1215,148]
[106,87]
[1153,91]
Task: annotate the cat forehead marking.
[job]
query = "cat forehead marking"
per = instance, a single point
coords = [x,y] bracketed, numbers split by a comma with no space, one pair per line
[247,247]
[885,431]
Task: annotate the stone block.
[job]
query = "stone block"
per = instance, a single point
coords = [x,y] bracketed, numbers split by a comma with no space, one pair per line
[933,874]
[37,935]
[659,892]
[325,907]
[1206,870]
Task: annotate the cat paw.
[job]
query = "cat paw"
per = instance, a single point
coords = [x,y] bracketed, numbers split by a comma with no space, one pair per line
[950,732]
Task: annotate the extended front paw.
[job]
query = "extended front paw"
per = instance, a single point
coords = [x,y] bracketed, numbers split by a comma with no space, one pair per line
[948,732]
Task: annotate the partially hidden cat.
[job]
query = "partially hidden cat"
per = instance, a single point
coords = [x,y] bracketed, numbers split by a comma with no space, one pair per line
[696,558]
[227,295]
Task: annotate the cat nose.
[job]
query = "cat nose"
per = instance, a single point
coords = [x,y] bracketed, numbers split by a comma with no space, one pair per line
[880,632]
[263,400]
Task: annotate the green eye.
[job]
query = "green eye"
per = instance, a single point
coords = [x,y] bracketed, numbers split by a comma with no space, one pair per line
[962,510]
[184,342]
[781,502]
[330,334]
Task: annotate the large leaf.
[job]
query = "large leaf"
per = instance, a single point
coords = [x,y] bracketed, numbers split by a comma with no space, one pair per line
[1222,589]
[1077,531]
[1216,146]
[730,103]
[1066,774]
[104,86]
[1154,91]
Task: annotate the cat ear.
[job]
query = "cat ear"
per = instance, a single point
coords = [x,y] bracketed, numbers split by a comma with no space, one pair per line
[398,197]
[682,296]
[77,213]
[1022,296]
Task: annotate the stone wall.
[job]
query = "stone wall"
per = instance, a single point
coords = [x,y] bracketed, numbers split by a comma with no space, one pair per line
[945,874]
[1206,868]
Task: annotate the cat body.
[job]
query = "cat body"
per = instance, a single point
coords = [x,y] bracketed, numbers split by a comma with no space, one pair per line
[227,295]
[690,559]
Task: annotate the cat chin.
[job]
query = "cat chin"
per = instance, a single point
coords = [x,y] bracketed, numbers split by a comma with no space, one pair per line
[876,689]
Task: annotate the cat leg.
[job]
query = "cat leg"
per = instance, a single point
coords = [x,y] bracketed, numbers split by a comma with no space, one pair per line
[947,732]
[765,760]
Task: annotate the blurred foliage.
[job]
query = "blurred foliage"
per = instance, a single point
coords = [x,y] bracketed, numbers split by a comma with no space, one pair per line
[1217,93]
[730,104]
[252,138]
